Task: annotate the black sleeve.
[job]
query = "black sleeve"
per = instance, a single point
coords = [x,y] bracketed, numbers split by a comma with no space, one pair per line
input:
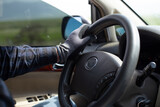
[17,60]
[6,99]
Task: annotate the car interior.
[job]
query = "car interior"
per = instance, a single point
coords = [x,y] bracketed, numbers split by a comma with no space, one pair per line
[120,68]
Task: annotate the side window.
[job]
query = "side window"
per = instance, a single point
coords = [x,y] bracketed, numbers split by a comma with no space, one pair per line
[31,22]
[120,31]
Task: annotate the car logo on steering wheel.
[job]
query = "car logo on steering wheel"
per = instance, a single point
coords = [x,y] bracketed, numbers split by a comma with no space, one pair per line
[91,63]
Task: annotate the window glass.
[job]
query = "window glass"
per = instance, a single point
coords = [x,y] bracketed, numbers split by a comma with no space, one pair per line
[32,22]
[73,7]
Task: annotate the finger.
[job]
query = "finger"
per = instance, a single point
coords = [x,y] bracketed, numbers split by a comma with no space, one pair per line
[79,32]
[83,29]
[89,39]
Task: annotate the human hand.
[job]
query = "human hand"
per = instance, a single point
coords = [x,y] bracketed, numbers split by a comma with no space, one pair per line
[75,43]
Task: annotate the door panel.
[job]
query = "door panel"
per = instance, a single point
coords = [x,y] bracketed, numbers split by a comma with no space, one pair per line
[36,86]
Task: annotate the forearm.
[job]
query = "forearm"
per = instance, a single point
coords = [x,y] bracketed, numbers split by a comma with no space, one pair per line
[17,60]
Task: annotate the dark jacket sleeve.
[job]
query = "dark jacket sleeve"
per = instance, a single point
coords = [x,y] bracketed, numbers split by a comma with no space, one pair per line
[17,60]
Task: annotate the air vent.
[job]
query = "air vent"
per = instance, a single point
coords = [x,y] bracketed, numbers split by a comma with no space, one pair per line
[31,99]
[39,98]
[42,97]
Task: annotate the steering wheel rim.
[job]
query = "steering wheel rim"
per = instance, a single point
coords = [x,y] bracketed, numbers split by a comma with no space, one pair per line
[122,81]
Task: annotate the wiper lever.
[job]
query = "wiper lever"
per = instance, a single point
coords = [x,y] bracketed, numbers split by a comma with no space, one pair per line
[146,72]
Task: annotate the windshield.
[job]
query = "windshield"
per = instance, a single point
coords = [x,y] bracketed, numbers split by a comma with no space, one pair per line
[148,10]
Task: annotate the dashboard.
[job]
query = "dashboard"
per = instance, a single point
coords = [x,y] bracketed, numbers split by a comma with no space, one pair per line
[149,47]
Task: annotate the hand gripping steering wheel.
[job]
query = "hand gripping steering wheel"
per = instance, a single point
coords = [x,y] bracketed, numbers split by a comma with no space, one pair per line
[94,71]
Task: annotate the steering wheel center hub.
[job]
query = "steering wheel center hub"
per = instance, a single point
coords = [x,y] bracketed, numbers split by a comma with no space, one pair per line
[94,72]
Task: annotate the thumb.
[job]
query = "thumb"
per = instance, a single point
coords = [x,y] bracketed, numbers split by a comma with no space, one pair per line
[88,39]
[83,28]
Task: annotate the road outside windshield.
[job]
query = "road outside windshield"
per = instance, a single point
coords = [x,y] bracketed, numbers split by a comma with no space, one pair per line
[148,10]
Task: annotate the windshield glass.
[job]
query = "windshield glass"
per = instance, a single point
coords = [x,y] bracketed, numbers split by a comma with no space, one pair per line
[148,10]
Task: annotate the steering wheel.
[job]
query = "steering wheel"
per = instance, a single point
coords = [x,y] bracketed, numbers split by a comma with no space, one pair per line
[101,78]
